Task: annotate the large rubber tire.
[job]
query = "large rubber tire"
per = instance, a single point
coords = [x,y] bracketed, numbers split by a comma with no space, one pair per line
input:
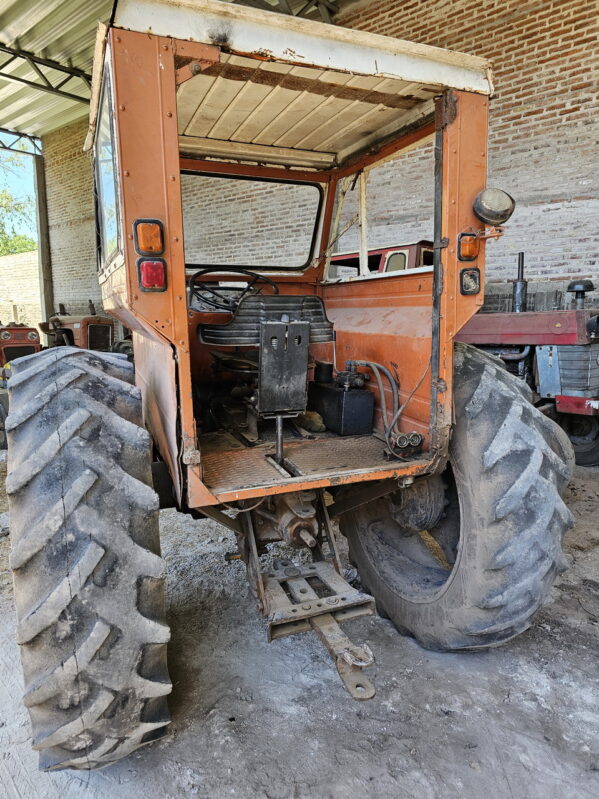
[88,576]
[583,432]
[482,572]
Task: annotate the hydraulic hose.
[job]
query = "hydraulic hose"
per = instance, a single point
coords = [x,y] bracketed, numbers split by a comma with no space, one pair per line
[392,381]
[515,356]
[379,383]
[398,413]
[376,369]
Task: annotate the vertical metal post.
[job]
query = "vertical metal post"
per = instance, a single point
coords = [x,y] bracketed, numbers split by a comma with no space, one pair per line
[43,239]
[279,453]
[520,285]
[363,221]
[437,269]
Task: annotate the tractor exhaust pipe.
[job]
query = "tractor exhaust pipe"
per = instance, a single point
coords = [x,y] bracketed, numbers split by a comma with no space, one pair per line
[520,287]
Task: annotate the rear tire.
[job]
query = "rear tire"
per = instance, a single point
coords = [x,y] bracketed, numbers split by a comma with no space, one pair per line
[88,576]
[583,432]
[491,555]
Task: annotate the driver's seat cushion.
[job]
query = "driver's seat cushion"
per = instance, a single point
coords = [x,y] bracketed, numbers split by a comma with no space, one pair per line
[244,328]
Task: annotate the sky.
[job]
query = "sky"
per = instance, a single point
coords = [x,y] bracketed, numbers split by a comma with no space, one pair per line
[19,181]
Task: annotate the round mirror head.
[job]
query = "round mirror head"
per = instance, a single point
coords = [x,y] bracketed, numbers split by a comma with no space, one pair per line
[494,206]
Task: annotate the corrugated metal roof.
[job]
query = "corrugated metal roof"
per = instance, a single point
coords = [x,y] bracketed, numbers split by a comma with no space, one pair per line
[64,31]
[61,30]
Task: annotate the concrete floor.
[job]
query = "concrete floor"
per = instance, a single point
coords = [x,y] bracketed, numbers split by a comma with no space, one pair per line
[253,720]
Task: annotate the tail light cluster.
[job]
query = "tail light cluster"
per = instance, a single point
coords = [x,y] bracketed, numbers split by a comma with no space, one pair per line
[148,235]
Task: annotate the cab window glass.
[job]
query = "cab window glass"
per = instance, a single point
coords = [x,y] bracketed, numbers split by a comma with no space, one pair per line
[396,199]
[396,262]
[106,179]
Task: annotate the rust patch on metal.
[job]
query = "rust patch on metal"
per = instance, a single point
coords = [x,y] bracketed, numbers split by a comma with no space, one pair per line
[295,83]
[446,110]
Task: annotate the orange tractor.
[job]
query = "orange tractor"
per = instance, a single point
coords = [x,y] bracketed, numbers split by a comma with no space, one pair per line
[230,146]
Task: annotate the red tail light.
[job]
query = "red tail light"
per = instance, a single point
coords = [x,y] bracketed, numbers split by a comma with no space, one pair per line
[152,274]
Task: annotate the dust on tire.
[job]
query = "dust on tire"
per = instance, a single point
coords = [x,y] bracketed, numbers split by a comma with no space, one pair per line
[88,576]
[501,535]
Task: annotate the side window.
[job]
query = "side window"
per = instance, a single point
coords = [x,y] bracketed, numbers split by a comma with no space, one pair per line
[396,262]
[384,207]
[428,258]
[344,267]
[107,206]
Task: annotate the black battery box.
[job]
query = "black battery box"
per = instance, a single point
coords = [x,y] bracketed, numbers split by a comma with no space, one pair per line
[345,410]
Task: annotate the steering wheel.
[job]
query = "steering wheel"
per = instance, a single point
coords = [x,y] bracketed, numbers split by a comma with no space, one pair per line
[219,299]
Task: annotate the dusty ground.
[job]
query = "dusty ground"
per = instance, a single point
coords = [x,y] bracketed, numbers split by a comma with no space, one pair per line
[253,720]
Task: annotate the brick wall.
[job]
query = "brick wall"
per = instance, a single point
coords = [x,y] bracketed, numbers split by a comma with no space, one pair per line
[399,203]
[544,130]
[20,288]
[71,218]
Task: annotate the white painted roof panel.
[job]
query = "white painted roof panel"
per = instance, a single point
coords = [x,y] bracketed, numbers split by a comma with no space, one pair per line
[293,91]
[279,37]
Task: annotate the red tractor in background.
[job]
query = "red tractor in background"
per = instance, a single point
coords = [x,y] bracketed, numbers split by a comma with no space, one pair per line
[384,259]
[90,331]
[16,341]
[556,353]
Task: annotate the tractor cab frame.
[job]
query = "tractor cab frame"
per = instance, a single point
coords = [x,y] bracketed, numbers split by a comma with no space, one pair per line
[267,380]
[181,92]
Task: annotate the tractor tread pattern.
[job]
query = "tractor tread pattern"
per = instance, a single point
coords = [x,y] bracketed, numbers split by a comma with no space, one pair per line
[532,505]
[88,576]
[512,465]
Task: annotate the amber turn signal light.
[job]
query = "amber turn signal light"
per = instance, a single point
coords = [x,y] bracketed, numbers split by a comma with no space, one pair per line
[468,246]
[148,235]
[151,274]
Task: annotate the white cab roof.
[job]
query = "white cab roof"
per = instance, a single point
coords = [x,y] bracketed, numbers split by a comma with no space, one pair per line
[296,92]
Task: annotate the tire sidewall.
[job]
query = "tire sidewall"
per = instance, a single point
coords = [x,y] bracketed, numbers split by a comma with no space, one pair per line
[438,619]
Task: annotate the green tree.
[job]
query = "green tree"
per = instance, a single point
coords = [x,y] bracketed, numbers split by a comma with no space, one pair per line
[17,214]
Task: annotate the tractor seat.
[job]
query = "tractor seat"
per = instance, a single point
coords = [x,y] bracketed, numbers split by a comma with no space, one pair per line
[243,330]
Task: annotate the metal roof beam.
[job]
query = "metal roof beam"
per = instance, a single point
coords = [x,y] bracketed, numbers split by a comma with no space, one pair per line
[324,7]
[45,82]
[17,138]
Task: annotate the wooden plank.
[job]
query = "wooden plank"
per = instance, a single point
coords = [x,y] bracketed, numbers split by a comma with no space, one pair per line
[300,108]
[190,97]
[254,152]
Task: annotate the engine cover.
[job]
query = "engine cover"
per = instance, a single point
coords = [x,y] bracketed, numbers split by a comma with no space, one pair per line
[568,369]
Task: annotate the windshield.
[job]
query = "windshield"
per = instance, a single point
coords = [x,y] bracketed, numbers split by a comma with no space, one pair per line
[248,222]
